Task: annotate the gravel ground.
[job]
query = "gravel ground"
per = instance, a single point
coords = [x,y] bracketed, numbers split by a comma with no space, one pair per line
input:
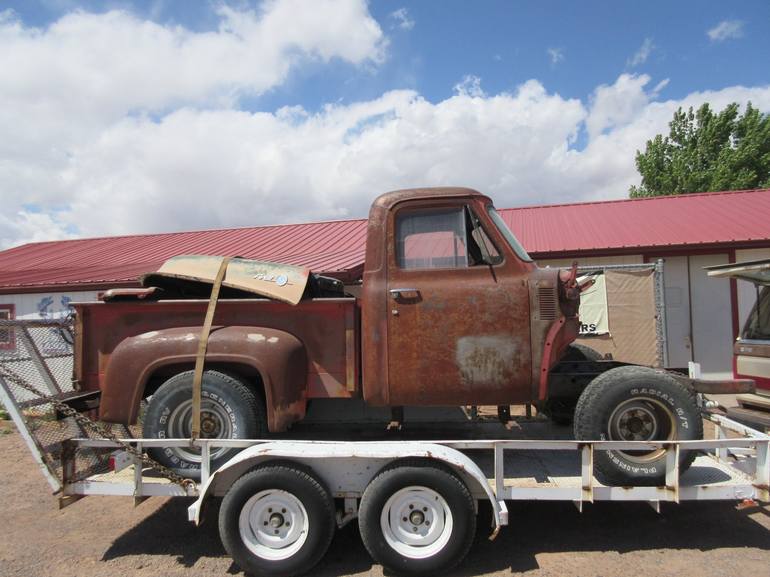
[108,536]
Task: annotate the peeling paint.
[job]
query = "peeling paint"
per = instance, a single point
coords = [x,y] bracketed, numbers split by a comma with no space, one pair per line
[487,359]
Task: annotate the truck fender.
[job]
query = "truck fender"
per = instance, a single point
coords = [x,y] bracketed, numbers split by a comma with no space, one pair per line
[315,454]
[279,358]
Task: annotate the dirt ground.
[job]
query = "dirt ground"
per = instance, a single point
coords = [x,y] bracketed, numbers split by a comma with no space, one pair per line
[108,536]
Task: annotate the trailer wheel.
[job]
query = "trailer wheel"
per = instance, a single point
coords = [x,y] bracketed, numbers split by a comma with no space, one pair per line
[229,410]
[637,404]
[417,518]
[277,520]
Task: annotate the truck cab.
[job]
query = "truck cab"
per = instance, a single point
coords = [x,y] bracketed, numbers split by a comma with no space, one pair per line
[453,307]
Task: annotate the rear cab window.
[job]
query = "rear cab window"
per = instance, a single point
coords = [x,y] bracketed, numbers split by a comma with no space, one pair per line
[441,238]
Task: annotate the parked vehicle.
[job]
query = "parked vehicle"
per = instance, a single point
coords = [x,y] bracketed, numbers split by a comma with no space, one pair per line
[453,312]
[752,347]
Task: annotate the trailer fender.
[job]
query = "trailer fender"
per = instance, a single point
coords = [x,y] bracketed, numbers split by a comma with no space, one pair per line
[279,358]
[315,452]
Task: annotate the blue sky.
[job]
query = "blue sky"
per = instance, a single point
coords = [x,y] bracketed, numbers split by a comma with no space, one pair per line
[312,107]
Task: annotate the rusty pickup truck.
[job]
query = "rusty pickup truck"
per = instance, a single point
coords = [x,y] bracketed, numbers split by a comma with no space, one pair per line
[452,312]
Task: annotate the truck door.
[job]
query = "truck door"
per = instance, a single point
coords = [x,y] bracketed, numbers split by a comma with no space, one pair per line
[458,328]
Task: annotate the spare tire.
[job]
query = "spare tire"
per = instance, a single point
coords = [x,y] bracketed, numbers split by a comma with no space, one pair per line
[637,404]
[229,410]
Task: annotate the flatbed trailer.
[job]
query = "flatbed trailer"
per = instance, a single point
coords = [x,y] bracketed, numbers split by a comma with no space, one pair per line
[415,501]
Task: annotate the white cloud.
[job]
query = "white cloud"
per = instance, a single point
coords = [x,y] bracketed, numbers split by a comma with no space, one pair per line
[726,30]
[641,55]
[79,164]
[470,86]
[556,55]
[62,86]
[402,19]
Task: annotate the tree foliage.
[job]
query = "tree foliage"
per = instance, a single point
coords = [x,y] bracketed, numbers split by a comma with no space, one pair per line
[707,151]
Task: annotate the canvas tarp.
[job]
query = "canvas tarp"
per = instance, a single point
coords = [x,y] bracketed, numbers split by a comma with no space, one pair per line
[631,315]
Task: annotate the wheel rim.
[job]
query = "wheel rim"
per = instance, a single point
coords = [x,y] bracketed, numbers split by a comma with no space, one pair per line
[215,424]
[416,522]
[273,524]
[642,419]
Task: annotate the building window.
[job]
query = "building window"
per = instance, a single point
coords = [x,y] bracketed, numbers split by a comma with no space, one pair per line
[7,340]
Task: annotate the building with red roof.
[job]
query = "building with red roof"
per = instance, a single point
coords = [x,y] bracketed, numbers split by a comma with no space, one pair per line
[688,231]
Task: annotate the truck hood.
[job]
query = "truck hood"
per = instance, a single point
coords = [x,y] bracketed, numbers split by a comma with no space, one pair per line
[277,281]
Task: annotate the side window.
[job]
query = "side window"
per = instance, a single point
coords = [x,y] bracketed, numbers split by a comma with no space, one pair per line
[7,341]
[433,238]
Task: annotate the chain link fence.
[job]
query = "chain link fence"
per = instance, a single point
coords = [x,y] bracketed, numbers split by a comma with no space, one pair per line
[36,359]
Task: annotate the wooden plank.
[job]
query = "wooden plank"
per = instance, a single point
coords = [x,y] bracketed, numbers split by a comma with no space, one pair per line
[754,401]
[756,419]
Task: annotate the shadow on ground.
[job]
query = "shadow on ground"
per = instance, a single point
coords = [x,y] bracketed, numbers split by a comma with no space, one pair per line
[535,528]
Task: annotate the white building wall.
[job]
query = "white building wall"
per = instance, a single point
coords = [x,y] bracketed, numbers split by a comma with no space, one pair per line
[44,305]
[592,260]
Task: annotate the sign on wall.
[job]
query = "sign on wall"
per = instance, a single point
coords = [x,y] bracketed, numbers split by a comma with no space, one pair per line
[594,319]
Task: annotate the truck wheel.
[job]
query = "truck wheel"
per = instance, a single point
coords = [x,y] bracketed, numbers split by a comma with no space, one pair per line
[277,520]
[637,404]
[229,410]
[417,518]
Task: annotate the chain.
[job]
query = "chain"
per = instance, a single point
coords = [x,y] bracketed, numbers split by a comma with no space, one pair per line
[99,430]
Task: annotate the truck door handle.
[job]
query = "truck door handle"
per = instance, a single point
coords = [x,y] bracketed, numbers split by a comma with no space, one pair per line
[398,293]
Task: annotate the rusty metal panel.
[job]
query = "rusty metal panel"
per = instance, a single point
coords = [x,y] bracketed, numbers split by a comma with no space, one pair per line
[459,335]
[320,325]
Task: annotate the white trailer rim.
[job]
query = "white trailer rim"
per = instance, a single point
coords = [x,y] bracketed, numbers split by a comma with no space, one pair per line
[416,522]
[273,525]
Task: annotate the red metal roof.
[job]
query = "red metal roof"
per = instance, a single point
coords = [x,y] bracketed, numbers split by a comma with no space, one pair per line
[662,222]
[337,247]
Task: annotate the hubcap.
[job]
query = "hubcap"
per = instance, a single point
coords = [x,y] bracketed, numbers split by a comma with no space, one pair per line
[273,525]
[416,522]
[642,419]
[215,424]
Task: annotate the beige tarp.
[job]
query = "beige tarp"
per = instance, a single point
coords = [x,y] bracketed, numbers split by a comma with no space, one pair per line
[594,317]
[631,315]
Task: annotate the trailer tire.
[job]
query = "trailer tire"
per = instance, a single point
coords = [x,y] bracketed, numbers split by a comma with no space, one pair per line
[633,403]
[229,409]
[417,518]
[277,520]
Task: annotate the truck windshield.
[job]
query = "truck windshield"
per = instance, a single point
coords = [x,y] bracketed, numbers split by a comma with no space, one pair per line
[503,228]
[758,324]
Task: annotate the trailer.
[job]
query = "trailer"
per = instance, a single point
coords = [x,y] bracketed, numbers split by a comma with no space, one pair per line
[415,501]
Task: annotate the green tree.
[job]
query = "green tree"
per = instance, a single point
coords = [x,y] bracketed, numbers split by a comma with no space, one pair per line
[706,152]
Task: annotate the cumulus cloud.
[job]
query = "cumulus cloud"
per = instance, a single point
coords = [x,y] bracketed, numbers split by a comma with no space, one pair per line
[641,55]
[189,164]
[726,30]
[402,19]
[63,86]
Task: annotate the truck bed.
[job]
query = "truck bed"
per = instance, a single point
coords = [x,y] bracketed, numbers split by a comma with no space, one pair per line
[328,327]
